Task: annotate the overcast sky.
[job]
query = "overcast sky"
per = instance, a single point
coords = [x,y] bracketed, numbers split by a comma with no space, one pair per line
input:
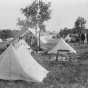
[64,12]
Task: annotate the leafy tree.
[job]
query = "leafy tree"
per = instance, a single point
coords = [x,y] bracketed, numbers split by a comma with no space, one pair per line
[80,24]
[35,15]
[42,27]
[24,24]
[64,32]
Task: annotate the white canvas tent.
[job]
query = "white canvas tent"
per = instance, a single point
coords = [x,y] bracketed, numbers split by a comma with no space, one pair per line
[16,63]
[43,39]
[46,39]
[62,45]
[1,40]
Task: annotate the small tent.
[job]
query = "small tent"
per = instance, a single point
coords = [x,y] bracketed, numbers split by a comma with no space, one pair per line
[43,39]
[16,63]
[1,40]
[62,45]
[46,39]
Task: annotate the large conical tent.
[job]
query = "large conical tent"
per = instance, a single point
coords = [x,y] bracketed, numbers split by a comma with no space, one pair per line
[16,63]
[62,45]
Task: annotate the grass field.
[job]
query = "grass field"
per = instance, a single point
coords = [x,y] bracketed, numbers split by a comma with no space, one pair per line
[62,74]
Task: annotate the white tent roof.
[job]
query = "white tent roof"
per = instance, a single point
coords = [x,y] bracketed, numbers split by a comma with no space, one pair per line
[1,40]
[16,63]
[62,45]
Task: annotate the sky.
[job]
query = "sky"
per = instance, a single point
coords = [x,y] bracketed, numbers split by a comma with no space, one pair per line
[64,13]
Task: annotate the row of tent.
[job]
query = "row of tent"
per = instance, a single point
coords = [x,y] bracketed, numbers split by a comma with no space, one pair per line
[17,63]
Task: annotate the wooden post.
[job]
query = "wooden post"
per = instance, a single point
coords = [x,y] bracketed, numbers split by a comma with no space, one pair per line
[57,55]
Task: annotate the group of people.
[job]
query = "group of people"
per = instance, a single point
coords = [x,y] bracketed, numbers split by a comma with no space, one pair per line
[83,37]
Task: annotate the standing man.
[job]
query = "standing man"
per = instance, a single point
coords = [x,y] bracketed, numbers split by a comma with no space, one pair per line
[87,37]
[82,38]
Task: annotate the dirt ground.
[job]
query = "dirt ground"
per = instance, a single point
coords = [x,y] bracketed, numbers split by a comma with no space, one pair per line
[62,74]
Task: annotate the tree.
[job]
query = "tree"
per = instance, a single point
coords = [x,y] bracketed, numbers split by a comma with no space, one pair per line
[64,32]
[80,23]
[35,15]
[42,27]
[24,24]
